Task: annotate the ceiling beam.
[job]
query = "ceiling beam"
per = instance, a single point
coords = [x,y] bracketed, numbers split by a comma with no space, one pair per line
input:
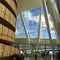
[24,5]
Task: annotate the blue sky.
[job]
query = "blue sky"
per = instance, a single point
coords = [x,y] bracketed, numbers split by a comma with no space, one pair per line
[31,19]
[35,11]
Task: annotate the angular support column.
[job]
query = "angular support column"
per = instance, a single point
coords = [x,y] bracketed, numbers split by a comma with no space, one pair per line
[48,27]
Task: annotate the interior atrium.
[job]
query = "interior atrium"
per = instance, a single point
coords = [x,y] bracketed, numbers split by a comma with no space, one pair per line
[29,27]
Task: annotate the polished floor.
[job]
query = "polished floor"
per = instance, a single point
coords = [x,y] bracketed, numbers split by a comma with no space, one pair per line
[40,58]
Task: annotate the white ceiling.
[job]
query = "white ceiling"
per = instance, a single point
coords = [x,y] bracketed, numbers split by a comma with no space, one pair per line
[24,5]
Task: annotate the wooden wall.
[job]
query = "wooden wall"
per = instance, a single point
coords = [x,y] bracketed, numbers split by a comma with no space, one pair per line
[6,50]
[8,11]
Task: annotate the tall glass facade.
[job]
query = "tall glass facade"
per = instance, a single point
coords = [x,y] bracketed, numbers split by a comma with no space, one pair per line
[31,19]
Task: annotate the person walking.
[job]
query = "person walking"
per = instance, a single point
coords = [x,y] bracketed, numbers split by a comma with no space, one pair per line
[58,55]
[35,55]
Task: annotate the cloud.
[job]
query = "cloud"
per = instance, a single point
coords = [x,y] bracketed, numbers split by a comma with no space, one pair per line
[19,32]
[27,15]
[50,21]
[16,33]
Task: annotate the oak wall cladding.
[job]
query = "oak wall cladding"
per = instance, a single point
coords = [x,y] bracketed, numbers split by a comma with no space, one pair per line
[7,50]
[8,11]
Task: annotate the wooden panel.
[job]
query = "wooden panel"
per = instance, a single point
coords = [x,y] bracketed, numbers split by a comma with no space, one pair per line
[3,38]
[5,32]
[16,0]
[13,20]
[9,1]
[0,6]
[3,10]
[12,50]
[12,4]
[1,49]
[17,51]
[0,15]
[10,33]
[8,15]
[0,30]
[13,34]
[6,51]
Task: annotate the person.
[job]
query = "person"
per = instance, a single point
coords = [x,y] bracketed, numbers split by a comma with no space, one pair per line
[15,57]
[35,55]
[58,55]
[22,56]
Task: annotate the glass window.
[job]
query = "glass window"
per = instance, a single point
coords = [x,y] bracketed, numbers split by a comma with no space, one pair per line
[31,19]
[20,33]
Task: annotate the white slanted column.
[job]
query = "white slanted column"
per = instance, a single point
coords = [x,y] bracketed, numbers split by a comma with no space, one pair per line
[48,27]
[53,18]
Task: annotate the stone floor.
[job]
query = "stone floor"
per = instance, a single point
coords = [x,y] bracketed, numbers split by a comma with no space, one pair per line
[41,58]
